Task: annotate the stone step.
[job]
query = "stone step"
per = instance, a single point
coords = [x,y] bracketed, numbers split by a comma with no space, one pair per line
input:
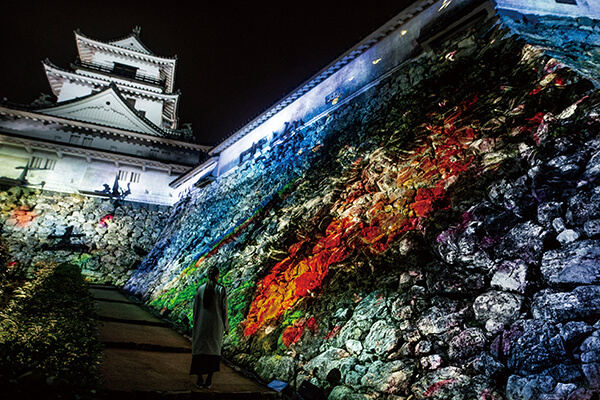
[145,359]
[138,322]
[145,347]
[201,394]
[136,374]
[117,334]
[125,312]
[106,293]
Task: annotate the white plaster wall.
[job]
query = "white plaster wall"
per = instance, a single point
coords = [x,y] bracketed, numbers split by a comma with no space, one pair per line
[153,109]
[55,133]
[71,90]
[109,59]
[387,54]
[120,82]
[72,174]
[11,160]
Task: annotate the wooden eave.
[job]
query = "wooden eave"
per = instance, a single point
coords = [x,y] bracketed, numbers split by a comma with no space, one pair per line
[121,133]
[203,169]
[130,117]
[87,46]
[94,154]
[57,76]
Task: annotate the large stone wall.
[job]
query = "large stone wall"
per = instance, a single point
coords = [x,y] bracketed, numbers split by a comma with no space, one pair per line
[437,238]
[114,241]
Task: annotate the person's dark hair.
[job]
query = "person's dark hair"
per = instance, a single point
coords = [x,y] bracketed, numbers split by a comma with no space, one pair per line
[209,291]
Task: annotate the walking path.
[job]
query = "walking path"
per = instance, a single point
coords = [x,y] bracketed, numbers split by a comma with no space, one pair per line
[144,358]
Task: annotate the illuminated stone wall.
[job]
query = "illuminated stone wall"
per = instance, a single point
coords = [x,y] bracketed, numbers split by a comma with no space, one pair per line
[114,240]
[438,237]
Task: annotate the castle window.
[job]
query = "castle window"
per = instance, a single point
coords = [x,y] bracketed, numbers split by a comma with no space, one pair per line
[154,154]
[572,2]
[74,139]
[87,141]
[125,70]
[135,177]
[50,164]
[36,162]
[123,175]
[42,163]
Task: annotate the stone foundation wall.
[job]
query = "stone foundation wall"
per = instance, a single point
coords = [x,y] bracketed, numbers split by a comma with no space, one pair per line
[435,239]
[114,240]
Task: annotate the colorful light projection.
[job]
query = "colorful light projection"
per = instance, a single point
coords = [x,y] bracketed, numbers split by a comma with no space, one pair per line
[394,195]
[21,217]
[106,220]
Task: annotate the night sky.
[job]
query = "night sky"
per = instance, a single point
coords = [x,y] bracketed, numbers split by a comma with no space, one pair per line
[235,59]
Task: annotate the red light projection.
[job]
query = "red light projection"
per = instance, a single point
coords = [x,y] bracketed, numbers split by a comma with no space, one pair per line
[394,195]
[22,216]
[293,333]
[106,220]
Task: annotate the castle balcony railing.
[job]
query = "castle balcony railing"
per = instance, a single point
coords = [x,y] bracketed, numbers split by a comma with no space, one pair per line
[121,73]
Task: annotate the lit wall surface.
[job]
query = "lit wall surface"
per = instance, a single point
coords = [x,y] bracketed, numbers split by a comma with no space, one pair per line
[397,44]
[435,237]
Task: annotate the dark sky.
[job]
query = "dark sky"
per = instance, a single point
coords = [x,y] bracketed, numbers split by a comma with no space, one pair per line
[234,58]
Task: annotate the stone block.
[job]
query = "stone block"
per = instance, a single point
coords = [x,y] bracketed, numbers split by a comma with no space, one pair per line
[576,263]
[592,228]
[511,276]
[567,236]
[275,367]
[579,304]
[392,377]
[498,306]
[383,338]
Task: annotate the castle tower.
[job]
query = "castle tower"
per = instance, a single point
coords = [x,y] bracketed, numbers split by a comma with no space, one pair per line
[114,124]
[144,79]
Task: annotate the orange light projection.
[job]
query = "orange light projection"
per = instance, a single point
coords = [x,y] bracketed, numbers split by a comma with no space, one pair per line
[22,216]
[394,195]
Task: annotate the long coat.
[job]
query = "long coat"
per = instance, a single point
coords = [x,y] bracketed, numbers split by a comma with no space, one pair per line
[209,324]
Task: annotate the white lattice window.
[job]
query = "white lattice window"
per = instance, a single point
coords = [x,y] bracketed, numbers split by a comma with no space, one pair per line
[123,175]
[50,164]
[36,162]
[135,177]
[74,139]
[42,163]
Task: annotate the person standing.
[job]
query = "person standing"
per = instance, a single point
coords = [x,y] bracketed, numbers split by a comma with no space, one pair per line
[210,322]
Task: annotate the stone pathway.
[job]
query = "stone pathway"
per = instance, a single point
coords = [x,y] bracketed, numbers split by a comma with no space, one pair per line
[144,358]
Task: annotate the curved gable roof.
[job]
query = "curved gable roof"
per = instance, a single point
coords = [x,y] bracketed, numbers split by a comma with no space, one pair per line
[132,42]
[106,108]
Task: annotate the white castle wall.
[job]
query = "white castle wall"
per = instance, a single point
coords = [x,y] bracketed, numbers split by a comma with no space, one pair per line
[108,60]
[75,174]
[369,68]
[358,75]
[71,90]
